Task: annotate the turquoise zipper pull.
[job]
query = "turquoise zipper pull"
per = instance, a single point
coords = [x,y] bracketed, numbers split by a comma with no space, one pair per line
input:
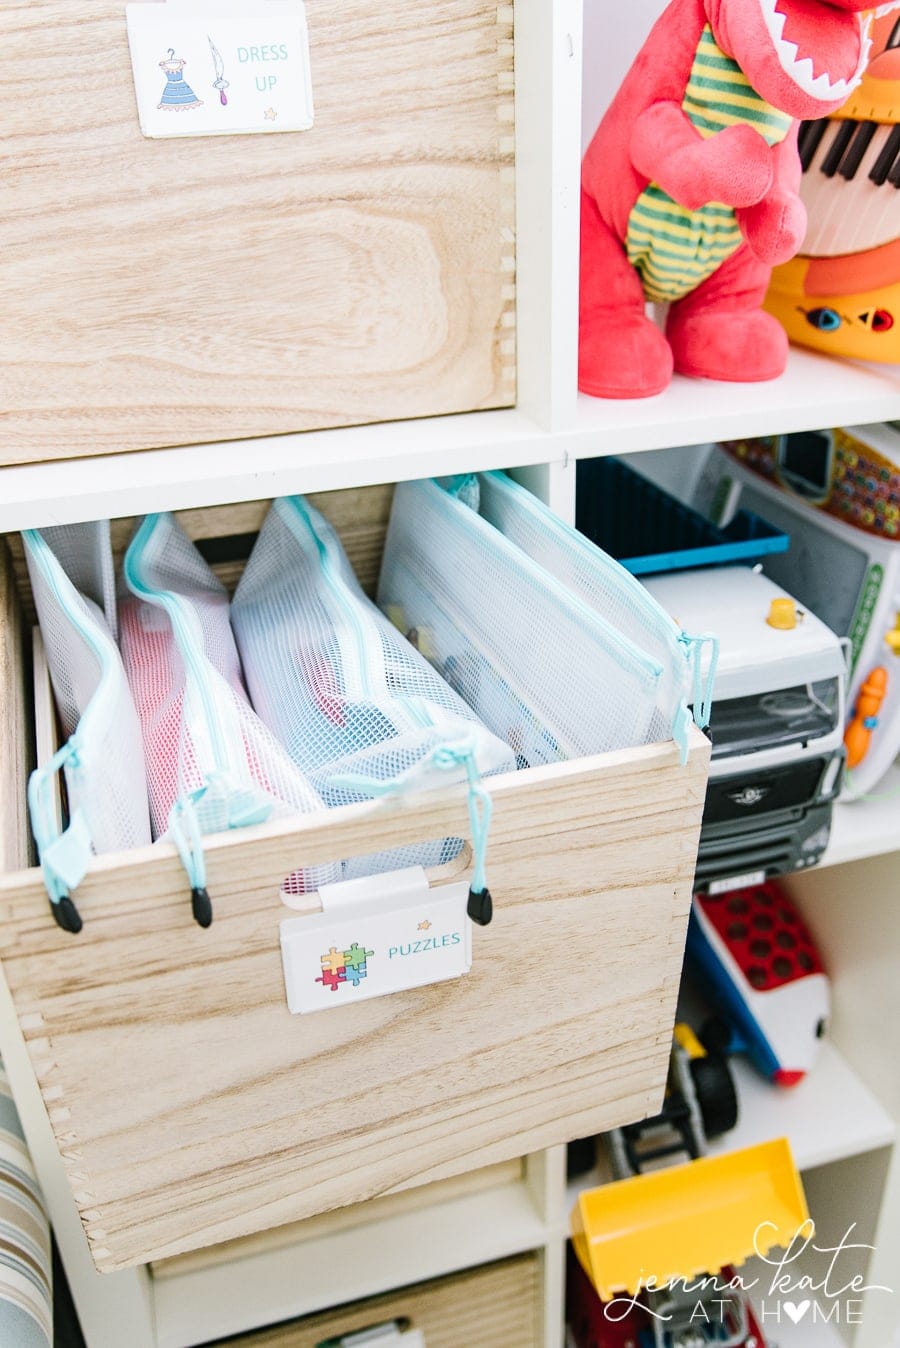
[480,905]
[63,856]
[184,830]
[703,690]
[680,729]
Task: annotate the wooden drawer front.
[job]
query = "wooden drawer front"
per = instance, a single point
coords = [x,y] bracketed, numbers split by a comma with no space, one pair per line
[494,1307]
[377,1210]
[191,1108]
[163,292]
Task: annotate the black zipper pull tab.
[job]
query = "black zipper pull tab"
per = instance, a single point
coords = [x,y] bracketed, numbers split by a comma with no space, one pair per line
[201,907]
[480,907]
[67,915]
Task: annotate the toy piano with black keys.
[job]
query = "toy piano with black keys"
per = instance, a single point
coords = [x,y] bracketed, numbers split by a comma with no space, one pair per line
[841,294]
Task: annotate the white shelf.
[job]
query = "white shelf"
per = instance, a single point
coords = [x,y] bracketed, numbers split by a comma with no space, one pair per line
[866,827]
[815,392]
[282,1284]
[829,1116]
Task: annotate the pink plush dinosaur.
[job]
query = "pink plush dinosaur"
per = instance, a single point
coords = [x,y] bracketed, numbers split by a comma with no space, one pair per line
[689,187]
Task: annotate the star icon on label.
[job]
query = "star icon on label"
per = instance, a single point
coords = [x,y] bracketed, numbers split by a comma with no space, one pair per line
[424,926]
[270,114]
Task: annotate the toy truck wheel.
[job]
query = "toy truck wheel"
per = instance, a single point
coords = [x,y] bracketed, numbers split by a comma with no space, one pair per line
[716,1094]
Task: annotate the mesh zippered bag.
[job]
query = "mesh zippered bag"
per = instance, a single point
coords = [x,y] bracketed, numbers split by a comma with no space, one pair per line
[84,551]
[616,596]
[538,665]
[358,709]
[212,764]
[102,759]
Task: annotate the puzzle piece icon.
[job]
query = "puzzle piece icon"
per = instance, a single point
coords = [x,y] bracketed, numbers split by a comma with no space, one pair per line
[356,956]
[332,978]
[334,960]
[355,974]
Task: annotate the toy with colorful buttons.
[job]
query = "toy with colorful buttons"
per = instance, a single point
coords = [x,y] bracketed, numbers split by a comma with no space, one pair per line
[862,485]
[837,494]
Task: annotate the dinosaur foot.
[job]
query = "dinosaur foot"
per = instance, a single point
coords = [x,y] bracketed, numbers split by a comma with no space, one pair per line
[623,356]
[737,345]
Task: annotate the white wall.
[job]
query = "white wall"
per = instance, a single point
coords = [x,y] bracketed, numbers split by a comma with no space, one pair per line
[613,33]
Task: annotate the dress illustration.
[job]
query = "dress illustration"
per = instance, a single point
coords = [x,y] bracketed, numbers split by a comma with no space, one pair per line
[177,94]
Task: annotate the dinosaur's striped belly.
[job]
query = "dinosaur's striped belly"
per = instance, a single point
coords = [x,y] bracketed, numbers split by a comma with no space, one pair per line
[674,249]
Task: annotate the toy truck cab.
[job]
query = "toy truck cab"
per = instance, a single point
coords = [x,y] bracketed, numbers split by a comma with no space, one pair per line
[776,727]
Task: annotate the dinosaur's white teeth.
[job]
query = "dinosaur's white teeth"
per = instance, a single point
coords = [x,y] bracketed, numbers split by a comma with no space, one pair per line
[775,21]
[801,69]
[824,89]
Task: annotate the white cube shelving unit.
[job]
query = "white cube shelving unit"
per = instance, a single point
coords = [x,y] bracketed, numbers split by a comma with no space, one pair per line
[843,1120]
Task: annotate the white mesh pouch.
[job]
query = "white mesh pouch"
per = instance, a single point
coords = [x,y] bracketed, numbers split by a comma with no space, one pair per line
[103,759]
[360,711]
[617,597]
[538,665]
[84,551]
[211,763]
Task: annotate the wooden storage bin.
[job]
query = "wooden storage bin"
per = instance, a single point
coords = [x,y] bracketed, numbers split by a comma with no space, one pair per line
[166,292]
[496,1306]
[297,1235]
[191,1108]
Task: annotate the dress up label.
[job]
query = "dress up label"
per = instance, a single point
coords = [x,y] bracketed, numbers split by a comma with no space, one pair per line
[374,936]
[220,67]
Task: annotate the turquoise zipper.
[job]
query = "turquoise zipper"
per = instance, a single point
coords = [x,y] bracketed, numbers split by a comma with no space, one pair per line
[184,629]
[479,801]
[353,611]
[666,625]
[42,822]
[648,669]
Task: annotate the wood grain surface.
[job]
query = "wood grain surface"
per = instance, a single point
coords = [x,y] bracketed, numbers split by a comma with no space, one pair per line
[163,292]
[497,1306]
[343,1219]
[190,1107]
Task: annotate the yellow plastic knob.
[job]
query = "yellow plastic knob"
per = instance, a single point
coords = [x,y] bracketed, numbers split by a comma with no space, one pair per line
[782,614]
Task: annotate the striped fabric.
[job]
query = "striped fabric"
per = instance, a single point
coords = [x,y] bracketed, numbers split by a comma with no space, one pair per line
[26,1296]
[674,249]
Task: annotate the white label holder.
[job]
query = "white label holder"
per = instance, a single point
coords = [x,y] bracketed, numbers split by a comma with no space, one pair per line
[220,67]
[382,934]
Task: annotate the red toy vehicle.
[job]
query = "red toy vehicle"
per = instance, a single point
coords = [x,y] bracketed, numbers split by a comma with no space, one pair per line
[678,1319]
[759,967]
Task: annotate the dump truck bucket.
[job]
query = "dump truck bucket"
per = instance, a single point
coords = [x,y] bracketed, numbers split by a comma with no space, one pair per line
[689,1220]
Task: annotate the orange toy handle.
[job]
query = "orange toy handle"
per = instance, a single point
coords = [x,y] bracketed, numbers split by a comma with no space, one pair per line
[858,735]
